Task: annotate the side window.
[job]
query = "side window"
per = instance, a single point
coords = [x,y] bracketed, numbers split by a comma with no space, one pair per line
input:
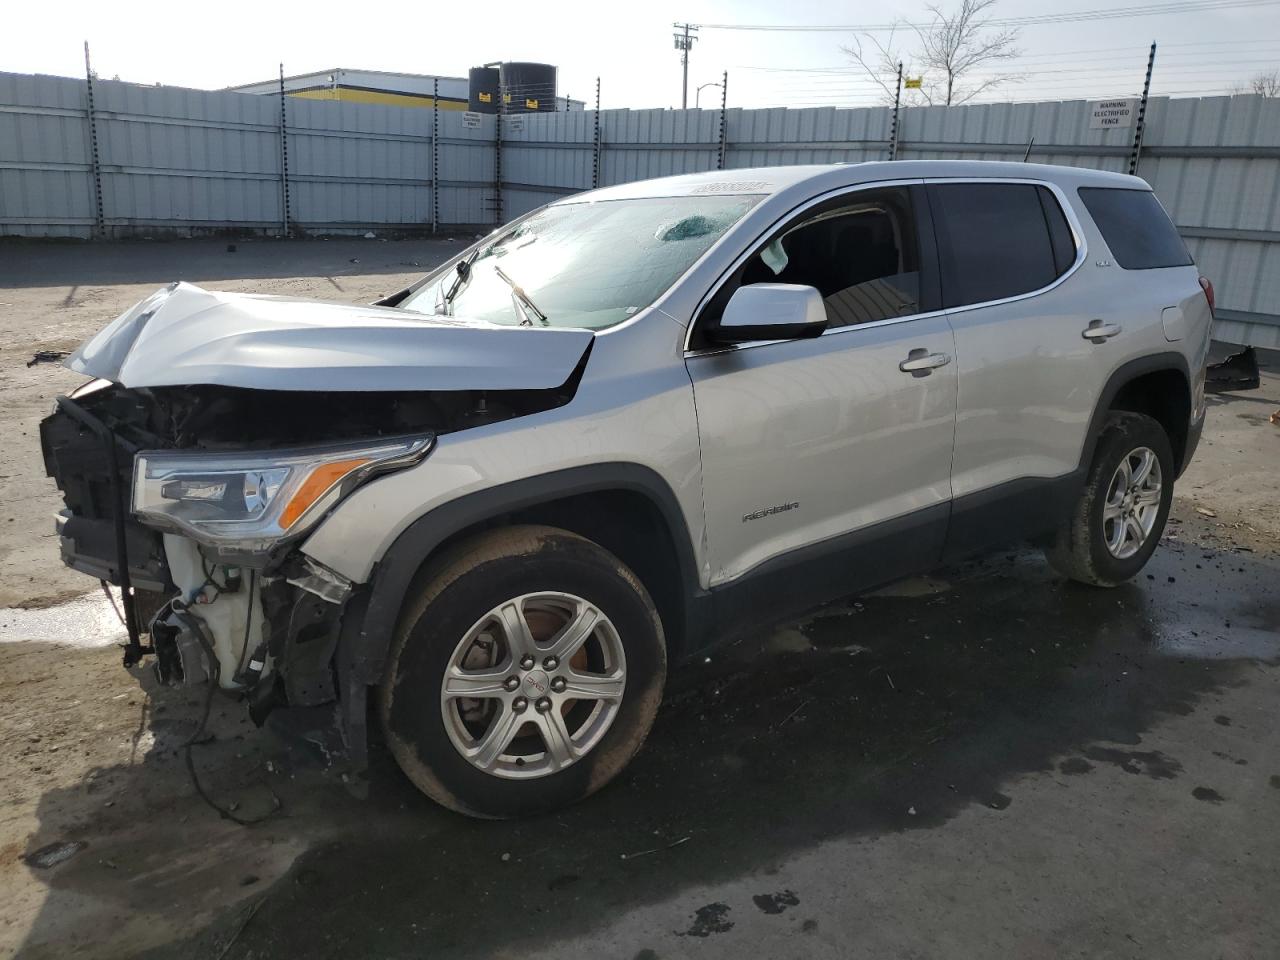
[998,240]
[1138,231]
[860,252]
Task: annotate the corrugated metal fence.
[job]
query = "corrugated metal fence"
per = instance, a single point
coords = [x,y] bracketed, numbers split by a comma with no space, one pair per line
[193,161]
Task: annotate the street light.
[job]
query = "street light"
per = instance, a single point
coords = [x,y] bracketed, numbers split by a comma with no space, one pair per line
[697,94]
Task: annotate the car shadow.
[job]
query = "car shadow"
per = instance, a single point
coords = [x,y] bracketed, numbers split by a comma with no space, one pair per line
[114,263]
[893,712]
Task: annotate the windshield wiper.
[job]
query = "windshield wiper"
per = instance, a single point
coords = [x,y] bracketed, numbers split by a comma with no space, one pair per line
[527,305]
[463,270]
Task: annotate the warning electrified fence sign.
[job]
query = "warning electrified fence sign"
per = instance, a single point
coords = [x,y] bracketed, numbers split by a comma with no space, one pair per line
[1112,114]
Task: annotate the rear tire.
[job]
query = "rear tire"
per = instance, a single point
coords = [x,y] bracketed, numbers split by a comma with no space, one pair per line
[1117,522]
[479,709]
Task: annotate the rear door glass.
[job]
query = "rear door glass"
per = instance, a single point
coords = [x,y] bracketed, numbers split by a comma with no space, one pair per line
[995,240]
[1138,231]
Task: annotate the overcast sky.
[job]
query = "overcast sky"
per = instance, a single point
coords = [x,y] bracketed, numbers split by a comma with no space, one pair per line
[212,45]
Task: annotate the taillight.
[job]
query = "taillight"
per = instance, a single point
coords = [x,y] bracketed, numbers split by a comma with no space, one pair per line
[1207,287]
[1197,386]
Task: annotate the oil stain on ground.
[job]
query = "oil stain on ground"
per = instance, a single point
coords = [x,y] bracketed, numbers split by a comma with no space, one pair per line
[1074,766]
[713,918]
[775,902]
[1149,763]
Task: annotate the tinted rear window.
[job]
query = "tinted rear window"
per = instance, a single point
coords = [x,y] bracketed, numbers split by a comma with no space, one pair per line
[998,240]
[1138,231]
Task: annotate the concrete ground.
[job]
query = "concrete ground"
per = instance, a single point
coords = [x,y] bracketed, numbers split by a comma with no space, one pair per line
[986,762]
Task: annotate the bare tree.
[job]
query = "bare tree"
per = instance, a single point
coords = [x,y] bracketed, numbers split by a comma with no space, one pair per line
[947,54]
[879,61]
[1263,84]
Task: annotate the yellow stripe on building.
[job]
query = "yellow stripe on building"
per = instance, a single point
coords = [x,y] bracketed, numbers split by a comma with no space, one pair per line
[349,95]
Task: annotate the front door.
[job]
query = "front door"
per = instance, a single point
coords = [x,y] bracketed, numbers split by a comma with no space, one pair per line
[812,445]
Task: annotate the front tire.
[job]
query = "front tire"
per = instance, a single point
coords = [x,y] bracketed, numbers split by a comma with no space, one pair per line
[525,675]
[1117,522]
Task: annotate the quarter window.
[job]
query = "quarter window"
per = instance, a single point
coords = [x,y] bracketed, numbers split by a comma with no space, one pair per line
[998,240]
[1138,231]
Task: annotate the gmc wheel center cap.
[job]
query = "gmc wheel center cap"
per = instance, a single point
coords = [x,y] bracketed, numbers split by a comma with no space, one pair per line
[535,684]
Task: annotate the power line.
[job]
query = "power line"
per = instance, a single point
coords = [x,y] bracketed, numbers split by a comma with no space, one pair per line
[1014,75]
[1214,43]
[1079,86]
[1196,68]
[1061,57]
[1155,9]
[1104,94]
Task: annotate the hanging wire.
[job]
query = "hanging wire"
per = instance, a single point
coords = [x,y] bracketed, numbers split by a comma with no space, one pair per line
[1115,13]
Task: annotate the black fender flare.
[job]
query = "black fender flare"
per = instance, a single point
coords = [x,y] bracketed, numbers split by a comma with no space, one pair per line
[1123,375]
[395,571]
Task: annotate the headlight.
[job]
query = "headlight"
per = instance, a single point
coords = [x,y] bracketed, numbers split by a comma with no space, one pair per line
[246,502]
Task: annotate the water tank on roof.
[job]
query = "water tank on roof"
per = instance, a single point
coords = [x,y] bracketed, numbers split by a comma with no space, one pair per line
[528,87]
[482,97]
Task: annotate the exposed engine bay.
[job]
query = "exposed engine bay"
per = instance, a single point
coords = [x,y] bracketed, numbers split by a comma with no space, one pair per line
[216,417]
[159,482]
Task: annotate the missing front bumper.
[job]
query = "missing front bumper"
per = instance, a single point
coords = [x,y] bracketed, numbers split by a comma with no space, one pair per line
[97,533]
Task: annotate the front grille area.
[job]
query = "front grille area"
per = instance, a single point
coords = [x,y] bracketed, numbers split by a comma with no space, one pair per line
[78,460]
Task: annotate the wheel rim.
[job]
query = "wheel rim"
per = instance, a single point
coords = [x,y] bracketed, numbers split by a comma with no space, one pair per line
[534,685]
[1132,504]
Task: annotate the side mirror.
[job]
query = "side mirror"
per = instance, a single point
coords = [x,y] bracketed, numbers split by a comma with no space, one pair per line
[771,311]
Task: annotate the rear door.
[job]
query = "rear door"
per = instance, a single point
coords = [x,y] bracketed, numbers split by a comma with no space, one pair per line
[1028,378]
[805,441]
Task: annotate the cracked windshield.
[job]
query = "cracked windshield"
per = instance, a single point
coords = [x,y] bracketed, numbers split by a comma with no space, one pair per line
[588,265]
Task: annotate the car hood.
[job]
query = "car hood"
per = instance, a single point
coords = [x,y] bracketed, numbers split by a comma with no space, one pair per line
[182,335]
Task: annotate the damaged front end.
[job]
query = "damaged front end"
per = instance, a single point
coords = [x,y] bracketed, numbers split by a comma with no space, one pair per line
[195,499]
[202,539]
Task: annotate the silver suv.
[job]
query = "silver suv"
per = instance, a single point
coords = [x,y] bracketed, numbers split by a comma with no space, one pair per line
[614,431]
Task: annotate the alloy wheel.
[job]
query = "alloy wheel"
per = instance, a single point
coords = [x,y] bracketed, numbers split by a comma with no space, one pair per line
[1133,503]
[534,685]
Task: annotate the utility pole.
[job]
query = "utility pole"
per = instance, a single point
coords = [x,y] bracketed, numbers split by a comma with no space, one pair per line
[684,43]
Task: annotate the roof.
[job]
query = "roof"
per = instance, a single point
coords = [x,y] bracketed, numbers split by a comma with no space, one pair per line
[335,72]
[772,180]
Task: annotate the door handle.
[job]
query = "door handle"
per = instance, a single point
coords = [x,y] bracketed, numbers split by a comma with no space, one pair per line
[920,363]
[1098,331]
